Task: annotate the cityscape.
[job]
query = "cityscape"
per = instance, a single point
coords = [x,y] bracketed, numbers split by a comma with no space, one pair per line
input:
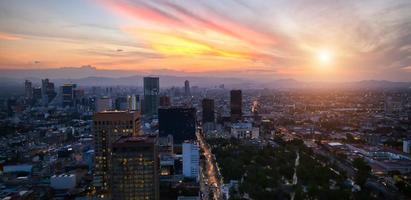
[205,103]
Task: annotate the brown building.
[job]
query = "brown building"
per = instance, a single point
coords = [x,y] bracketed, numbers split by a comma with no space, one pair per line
[108,127]
[134,169]
[165,101]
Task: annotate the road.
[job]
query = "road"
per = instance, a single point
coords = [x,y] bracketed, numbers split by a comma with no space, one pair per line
[211,169]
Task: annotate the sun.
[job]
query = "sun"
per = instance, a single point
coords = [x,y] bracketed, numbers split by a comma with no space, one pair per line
[324,56]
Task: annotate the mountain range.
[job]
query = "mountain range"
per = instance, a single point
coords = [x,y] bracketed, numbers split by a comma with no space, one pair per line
[12,80]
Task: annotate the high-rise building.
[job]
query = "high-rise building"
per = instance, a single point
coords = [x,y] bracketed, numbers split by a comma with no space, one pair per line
[134,102]
[187,88]
[406,146]
[37,94]
[236,105]
[79,97]
[151,98]
[165,101]
[177,121]
[191,160]
[47,91]
[121,103]
[68,98]
[208,110]
[28,89]
[104,104]
[134,171]
[108,127]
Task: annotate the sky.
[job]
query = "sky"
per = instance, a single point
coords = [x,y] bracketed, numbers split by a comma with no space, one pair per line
[311,40]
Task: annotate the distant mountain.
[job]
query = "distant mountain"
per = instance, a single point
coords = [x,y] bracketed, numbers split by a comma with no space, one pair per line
[11,81]
[64,73]
[365,84]
[165,81]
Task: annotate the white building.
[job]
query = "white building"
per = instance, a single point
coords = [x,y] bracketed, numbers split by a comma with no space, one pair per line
[104,104]
[244,131]
[406,145]
[191,160]
[63,182]
[134,102]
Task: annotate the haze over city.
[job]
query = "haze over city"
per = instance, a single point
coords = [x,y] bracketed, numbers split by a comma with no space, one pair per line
[304,40]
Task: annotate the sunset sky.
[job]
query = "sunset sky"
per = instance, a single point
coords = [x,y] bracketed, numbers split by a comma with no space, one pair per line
[309,40]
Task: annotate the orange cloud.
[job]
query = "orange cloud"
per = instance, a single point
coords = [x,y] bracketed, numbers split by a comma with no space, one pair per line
[7,36]
[169,44]
[175,17]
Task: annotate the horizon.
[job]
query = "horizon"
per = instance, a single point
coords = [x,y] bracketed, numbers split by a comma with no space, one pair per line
[60,74]
[265,41]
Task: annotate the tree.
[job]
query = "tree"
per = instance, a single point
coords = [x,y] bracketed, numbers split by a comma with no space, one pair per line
[363,171]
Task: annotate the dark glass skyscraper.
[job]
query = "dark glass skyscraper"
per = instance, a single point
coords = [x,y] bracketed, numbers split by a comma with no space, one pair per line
[208,110]
[236,105]
[28,90]
[187,88]
[68,95]
[151,98]
[179,122]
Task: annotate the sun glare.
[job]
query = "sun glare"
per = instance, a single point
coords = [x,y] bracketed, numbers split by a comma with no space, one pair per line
[324,56]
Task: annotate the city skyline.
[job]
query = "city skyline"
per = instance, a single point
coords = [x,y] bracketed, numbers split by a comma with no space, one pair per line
[304,40]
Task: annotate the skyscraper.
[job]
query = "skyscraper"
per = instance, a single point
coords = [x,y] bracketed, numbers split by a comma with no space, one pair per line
[208,110]
[108,127]
[47,91]
[134,171]
[191,160]
[187,88]
[236,105]
[68,95]
[28,89]
[177,121]
[37,94]
[151,98]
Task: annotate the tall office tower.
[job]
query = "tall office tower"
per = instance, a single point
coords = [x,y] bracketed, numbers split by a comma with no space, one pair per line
[134,102]
[28,89]
[79,97]
[108,127]
[165,101]
[134,171]
[236,105]
[179,122]
[151,99]
[191,160]
[44,88]
[121,103]
[187,88]
[37,94]
[47,91]
[104,104]
[68,97]
[208,110]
